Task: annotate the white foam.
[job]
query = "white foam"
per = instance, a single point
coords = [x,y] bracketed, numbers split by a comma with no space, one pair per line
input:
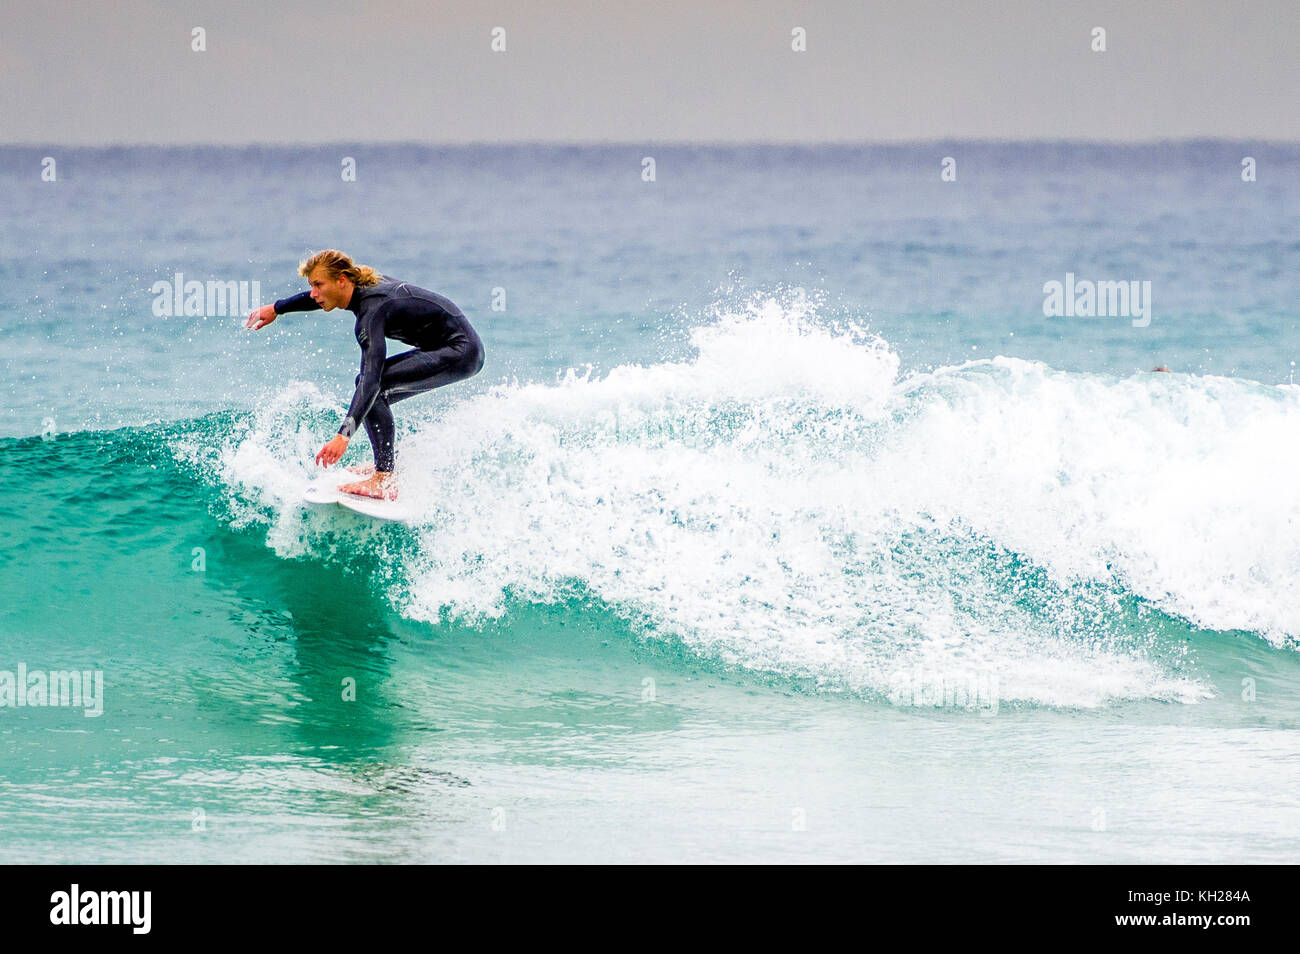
[783,502]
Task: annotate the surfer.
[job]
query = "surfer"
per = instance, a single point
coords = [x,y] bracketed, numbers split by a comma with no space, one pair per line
[446,349]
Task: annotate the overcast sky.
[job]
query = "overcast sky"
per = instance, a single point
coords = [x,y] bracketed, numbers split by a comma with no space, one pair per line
[91,72]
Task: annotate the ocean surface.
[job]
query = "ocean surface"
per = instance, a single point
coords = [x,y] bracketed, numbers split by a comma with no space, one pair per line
[782,523]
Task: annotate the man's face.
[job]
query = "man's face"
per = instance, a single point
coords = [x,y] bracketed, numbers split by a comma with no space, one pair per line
[327,292]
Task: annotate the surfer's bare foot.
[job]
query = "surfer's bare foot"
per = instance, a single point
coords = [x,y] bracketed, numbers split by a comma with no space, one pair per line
[380,486]
[362,469]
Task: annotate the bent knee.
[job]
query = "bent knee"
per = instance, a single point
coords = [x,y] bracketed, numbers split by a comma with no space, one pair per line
[471,361]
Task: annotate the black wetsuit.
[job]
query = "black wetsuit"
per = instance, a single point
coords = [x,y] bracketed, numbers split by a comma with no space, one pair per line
[447,349]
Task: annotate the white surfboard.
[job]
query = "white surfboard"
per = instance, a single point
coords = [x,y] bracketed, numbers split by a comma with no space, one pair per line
[324,492]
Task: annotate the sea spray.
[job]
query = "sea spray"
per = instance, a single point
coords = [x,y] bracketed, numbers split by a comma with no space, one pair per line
[782,501]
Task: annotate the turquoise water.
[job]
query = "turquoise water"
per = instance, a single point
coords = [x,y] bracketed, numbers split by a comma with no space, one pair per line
[780,525]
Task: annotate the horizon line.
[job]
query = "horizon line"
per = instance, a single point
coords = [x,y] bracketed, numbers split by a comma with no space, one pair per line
[616,143]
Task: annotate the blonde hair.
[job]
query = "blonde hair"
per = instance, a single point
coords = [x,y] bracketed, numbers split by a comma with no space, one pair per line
[335,264]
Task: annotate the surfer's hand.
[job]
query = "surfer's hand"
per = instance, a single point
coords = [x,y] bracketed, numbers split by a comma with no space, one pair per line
[260,318]
[332,451]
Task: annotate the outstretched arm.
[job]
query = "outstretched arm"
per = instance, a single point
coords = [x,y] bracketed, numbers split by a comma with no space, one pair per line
[267,313]
[299,302]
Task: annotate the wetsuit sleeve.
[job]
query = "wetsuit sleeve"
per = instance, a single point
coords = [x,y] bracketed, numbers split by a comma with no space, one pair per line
[299,302]
[370,336]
